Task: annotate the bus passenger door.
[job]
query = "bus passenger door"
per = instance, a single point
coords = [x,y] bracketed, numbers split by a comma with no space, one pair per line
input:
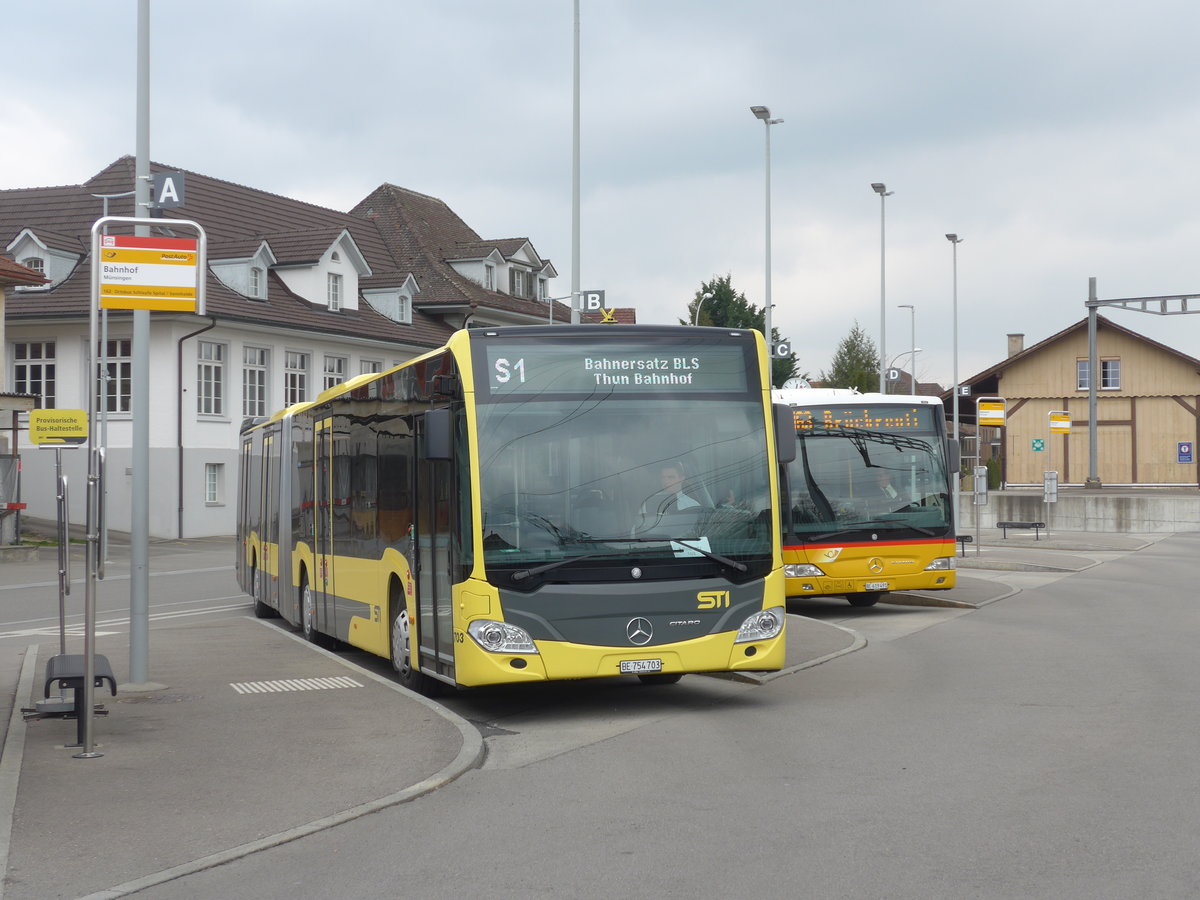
[269,563]
[322,586]
[435,515]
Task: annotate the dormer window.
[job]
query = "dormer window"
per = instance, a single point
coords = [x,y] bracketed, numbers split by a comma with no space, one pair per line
[489,276]
[36,263]
[334,292]
[256,281]
[518,283]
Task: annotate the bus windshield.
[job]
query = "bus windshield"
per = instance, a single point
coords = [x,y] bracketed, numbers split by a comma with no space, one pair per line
[847,480]
[614,477]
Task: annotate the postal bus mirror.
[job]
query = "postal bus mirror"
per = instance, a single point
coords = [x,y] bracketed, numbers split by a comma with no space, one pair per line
[785,432]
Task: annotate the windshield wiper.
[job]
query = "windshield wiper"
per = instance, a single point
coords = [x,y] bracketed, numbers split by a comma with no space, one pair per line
[716,557]
[523,574]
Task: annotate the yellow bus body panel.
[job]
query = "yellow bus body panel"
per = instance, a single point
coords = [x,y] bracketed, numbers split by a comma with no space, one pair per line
[848,568]
[557,660]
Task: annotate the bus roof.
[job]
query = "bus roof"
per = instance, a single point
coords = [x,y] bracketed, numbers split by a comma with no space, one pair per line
[826,396]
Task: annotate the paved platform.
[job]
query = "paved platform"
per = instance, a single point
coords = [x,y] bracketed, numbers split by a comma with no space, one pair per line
[214,767]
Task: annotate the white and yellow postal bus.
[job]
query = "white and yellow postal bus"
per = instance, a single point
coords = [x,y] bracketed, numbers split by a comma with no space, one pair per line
[530,504]
[870,495]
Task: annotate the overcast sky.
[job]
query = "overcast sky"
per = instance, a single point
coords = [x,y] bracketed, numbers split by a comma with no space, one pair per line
[1058,138]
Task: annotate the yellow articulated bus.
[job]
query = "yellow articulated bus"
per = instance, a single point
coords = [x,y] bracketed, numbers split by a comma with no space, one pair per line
[530,504]
[870,495]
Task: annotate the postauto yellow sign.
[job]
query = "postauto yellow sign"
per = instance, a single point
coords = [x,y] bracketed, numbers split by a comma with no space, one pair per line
[58,427]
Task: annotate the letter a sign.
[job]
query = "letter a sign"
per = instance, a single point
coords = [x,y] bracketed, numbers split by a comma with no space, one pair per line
[167,189]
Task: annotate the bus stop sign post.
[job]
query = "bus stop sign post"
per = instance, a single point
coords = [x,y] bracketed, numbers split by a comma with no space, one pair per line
[59,428]
[990,413]
[139,273]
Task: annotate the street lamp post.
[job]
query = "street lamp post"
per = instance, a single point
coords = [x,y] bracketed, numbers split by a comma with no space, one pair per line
[707,295]
[913,353]
[955,240]
[762,112]
[912,357]
[881,189]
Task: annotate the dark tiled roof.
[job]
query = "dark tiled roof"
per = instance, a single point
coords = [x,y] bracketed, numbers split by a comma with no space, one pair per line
[406,233]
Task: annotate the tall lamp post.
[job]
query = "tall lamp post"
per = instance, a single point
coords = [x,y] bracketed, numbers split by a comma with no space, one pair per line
[707,295]
[955,240]
[881,189]
[762,112]
[912,356]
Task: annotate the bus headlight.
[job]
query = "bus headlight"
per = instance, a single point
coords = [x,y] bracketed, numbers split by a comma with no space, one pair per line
[941,564]
[501,637]
[803,571]
[761,626]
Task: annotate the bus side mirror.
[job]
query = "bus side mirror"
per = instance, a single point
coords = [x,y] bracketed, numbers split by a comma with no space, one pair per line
[785,432]
[439,433]
[955,458]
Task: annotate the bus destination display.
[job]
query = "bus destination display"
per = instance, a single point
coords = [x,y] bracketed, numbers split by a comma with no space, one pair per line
[530,369]
[865,418]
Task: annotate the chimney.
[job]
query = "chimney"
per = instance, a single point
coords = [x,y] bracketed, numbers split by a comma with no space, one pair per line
[1016,343]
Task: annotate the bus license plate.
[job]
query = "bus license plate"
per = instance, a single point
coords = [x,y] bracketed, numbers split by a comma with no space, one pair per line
[875,586]
[638,666]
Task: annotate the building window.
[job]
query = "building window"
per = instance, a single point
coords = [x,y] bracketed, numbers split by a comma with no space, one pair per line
[335,371]
[518,283]
[254,381]
[489,277]
[295,378]
[214,483]
[256,280]
[116,376]
[1110,375]
[370,366]
[210,378]
[543,293]
[33,370]
[36,263]
[404,309]
[334,291]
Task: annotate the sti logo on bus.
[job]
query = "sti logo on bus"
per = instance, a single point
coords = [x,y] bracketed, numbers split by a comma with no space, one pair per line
[712,600]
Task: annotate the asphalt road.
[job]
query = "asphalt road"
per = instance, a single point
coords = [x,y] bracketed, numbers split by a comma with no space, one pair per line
[1041,746]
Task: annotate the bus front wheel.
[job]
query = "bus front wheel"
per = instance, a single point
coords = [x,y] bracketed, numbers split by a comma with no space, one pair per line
[870,598]
[406,673]
[308,611]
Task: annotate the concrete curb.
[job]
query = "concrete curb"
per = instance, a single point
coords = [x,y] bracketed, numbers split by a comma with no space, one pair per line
[858,643]
[469,757]
[11,758]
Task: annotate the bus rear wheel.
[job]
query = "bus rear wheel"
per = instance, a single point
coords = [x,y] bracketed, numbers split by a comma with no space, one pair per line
[261,610]
[406,673]
[870,598]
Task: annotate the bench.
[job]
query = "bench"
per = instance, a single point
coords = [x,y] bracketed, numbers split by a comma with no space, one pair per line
[1036,526]
[963,540]
[67,670]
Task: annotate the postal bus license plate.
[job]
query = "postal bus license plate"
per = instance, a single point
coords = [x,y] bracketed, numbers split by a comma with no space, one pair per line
[875,586]
[639,666]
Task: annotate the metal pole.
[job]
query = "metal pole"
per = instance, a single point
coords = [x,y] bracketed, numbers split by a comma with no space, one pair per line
[881,189]
[912,357]
[575,279]
[139,524]
[955,240]
[64,551]
[767,332]
[1093,480]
